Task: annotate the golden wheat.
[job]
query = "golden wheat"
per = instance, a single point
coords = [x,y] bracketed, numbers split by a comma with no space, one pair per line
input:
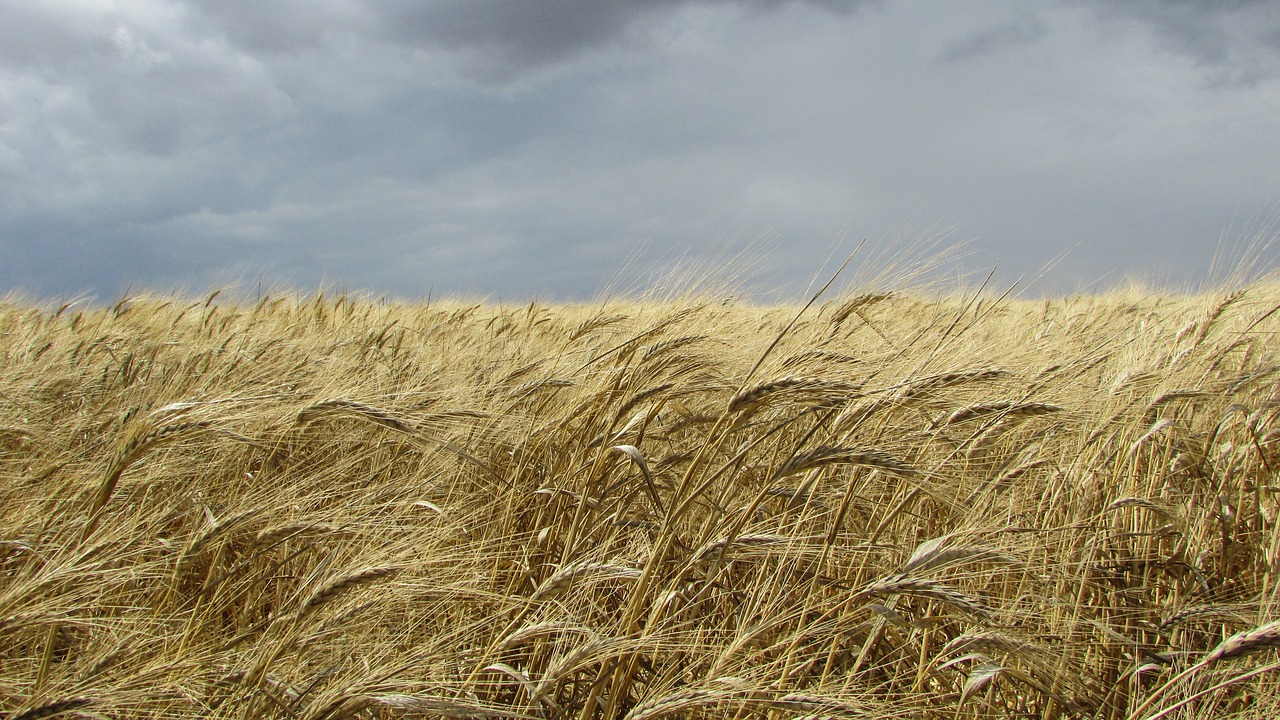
[890,504]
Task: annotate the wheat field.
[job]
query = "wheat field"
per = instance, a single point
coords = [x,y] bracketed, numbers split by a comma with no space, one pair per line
[886,504]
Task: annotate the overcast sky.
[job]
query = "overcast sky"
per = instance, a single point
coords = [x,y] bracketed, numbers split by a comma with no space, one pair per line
[556,148]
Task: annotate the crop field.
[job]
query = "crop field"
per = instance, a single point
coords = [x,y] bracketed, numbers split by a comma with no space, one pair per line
[884,504]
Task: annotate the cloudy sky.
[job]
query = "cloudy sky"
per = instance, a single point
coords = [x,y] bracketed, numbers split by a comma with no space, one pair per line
[558,148]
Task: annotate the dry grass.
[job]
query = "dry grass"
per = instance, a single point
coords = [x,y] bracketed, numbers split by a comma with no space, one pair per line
[885,506]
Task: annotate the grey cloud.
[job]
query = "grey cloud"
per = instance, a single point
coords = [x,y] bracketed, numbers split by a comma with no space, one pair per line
[49,38]
[126,82]
[1212,7]
[1234,40]
[116,112]
[280,26]
[1025,29]
[512,148]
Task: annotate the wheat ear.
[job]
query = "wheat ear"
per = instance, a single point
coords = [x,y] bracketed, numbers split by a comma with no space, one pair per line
[1245,643]
[441,707]
[54,708]
[675,703]
[1212,316]
[715,549]
[921,386]
[330,591]
[560,580]
[1006,408]
[1236,646]
[751,397]
[1196,612]
[827,455]
[138,445]
[369,412]
[538,630]
[924,587]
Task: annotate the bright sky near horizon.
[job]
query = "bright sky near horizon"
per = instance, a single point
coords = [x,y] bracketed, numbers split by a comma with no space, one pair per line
[557,148]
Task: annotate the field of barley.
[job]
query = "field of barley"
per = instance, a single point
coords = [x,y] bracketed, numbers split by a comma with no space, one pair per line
[885,504]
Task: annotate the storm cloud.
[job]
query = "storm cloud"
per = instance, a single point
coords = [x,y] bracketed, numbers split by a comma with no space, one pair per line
[510,149]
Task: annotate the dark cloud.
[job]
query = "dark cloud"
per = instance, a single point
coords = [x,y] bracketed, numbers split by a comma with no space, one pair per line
[502,39]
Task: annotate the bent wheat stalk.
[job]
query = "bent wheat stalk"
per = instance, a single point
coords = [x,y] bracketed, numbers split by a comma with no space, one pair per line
[142,441]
